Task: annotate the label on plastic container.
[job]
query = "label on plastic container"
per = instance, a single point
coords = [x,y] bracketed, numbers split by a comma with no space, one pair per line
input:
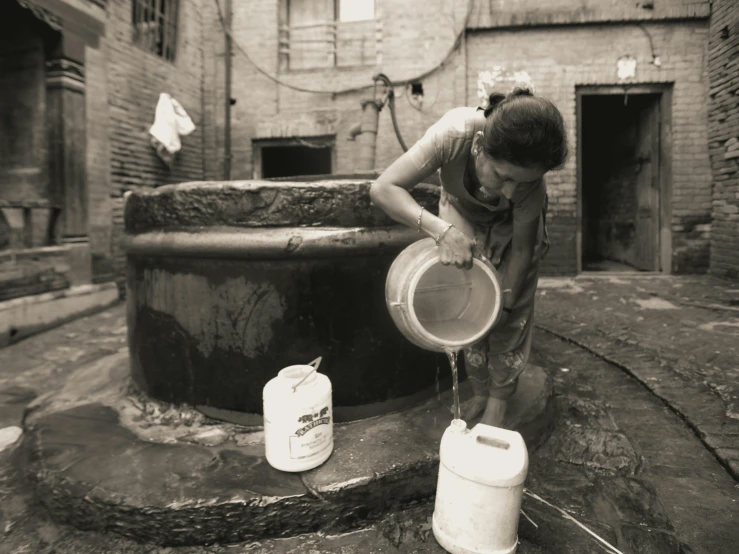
[312,433]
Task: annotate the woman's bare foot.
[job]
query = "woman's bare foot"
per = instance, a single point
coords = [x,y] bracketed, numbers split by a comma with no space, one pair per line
[472,408]
[494,412]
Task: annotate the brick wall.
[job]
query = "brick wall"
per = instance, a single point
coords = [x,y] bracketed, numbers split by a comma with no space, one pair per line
[416,35]
[213,47]
[561,58]
[131,79]
[723,135]
[562,45]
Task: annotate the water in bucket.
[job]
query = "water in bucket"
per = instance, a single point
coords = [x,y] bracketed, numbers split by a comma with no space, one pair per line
[453,304]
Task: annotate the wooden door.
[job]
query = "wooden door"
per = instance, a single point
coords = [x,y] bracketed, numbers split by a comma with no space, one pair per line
[647,248]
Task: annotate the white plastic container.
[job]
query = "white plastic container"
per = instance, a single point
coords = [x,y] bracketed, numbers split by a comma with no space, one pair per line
[478,495]
[298,419]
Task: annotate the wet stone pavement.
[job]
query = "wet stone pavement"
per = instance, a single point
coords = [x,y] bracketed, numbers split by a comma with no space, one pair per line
[622,460]
[678,336]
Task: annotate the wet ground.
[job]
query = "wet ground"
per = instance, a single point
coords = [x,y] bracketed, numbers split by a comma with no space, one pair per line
[632,456]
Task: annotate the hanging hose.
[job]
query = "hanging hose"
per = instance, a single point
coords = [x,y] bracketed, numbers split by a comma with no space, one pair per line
[390,99]
[395,120]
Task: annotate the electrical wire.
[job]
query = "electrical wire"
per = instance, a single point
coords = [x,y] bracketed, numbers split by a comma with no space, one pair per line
[403,82]
[655,58]
[649,36]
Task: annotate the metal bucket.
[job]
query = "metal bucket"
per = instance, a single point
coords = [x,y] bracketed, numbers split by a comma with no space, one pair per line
[440,307]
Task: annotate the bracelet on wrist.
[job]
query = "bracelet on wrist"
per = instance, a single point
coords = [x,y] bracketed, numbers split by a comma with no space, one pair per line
[418,223]
[444,232]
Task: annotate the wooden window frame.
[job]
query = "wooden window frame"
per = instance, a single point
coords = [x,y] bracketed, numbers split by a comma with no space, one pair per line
[332,51]
[160,17]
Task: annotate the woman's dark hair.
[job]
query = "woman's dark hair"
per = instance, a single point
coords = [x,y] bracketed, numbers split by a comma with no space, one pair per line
[525,130]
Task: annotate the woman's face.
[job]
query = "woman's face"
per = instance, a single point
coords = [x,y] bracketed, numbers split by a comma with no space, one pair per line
[499,177]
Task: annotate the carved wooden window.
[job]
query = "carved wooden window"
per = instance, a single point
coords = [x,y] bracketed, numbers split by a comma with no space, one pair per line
[329,33]
[155,26]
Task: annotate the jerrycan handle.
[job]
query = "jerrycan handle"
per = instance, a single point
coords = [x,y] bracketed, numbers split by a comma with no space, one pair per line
[491,441]
[315,363]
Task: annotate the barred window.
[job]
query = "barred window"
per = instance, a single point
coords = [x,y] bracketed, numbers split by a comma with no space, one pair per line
[329,33]
[155,26]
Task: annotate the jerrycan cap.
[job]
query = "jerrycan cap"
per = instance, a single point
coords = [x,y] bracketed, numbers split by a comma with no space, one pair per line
[458,426]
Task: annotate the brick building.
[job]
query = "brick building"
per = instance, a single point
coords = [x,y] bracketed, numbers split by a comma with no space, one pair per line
[630,78]
[723,135]
[80,80]
[79,83]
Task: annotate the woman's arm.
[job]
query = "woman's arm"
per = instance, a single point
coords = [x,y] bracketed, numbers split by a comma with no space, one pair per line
[390,193]
[522,253]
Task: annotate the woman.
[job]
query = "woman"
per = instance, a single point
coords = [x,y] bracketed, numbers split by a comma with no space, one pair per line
[493,201]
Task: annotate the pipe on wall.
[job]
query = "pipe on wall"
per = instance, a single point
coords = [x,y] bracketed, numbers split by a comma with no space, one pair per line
[227,95]
[368,136]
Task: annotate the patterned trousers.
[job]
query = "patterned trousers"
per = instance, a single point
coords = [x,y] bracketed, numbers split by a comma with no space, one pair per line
[495,362]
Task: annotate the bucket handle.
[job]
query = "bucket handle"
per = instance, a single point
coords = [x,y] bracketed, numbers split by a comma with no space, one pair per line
[478,251]
[317,362]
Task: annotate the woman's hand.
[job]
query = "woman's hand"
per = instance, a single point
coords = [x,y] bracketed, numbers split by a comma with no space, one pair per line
[456,248]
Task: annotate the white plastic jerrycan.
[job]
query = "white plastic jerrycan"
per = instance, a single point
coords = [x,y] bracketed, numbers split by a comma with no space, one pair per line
[298,418]
[478,495]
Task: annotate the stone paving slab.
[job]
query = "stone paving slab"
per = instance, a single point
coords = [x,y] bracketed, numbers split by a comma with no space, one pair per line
[679,336]
[640,486]
[671,497]
[102,457]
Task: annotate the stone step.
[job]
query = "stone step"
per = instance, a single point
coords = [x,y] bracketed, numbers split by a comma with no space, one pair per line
[104,459]
[28,315]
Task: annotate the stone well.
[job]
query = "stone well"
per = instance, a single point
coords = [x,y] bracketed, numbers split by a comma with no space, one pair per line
[229,282]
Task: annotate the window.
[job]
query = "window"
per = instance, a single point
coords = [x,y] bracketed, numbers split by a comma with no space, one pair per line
[328,33]
[293,157]
[356,10]
[155,26]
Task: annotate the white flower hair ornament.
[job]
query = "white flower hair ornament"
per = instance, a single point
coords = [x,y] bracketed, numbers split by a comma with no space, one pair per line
[522,82]
[498,79]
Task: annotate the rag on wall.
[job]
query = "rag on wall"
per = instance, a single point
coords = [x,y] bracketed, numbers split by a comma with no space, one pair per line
[170,123]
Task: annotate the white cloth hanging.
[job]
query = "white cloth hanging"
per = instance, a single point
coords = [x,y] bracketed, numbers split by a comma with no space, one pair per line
[170,122]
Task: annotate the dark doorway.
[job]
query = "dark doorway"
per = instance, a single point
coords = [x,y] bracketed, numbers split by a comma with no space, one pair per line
[620,176]
[287,161]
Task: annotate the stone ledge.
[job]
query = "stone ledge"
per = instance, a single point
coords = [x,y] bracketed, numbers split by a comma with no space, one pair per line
[96,466]
[22,317]
[533,13]
[270,243]
[332,202]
